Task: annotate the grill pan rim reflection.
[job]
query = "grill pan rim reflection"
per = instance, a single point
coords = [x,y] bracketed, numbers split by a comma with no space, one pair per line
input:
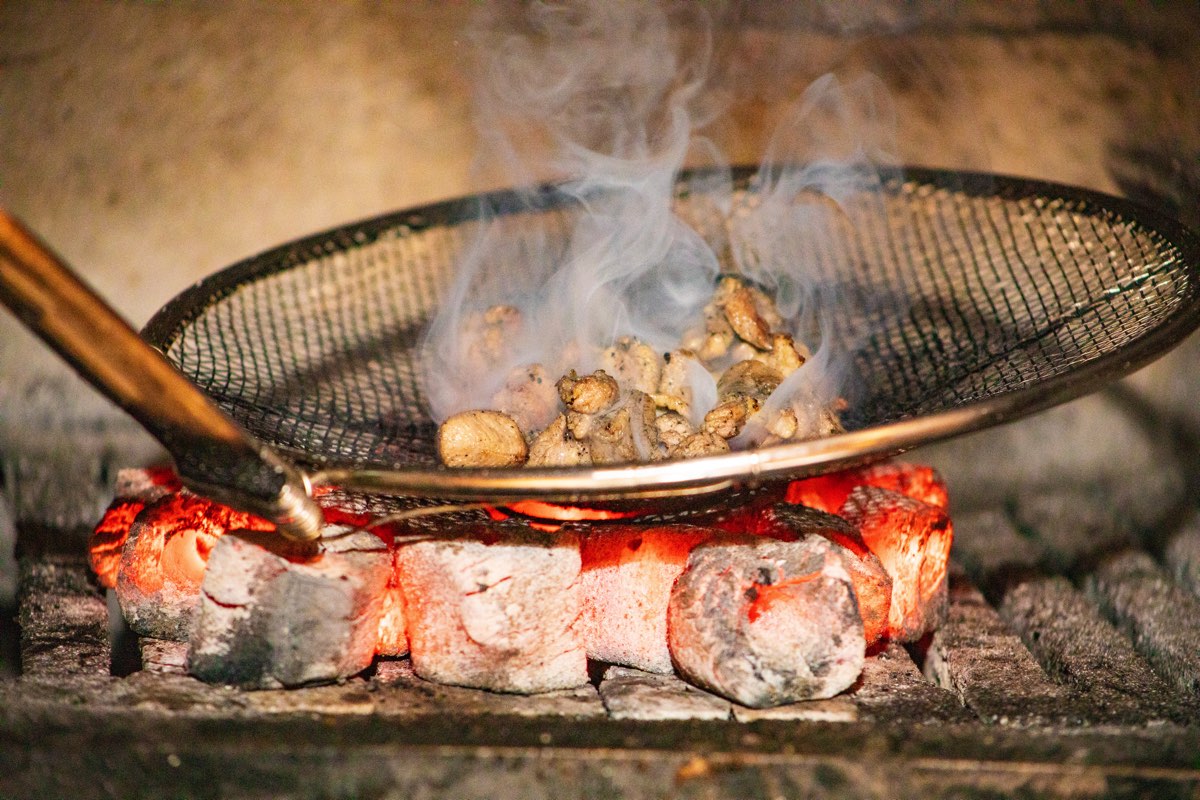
[715,473]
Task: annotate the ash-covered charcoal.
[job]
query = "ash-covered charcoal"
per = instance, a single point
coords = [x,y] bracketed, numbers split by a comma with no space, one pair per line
[495,607]
[273,617]
[765,622]
[628,572]
[481,439]
[164,559]
[912,540]
[790,522]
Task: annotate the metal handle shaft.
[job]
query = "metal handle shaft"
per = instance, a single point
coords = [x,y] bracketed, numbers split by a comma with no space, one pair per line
[212,453]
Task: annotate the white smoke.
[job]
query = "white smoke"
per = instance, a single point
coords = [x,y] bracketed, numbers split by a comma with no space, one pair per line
[612,99]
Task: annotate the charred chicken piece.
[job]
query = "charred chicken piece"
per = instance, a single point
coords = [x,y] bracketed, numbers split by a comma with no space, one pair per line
[481,439]
[586,399]
[625,434]
[784,356]
[711,340]
[783,426]
[748,379]
[742,314]
[699,444]
[673,428]
[556,447]
[634,364]
[816,421]
[529,397]
[741,392]
[590,394]
[728,418]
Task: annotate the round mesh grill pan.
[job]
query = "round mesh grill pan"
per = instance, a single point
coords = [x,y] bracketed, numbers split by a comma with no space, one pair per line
[970,299]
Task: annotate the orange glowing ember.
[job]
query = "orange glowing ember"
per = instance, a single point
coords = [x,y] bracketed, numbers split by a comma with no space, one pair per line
[764,597]
[912,539]
[135,488]
[829,492]
[393,624]
[176,535]
[549,517]
[108,539]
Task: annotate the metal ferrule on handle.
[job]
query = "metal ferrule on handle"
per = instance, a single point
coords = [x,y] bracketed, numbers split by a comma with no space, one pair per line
[213,455]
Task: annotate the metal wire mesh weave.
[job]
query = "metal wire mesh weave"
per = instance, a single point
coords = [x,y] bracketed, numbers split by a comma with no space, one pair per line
[963,288]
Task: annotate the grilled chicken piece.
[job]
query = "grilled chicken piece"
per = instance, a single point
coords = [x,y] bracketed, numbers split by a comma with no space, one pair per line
[672,428]
[699,444]
[587,399]
[748,379]
[625,434]
[784,425]
[634,364]
[481,439]
[675,391]
[730,416]
[491,333]
[784,357]
[764,305]
[742,314]
[712,339]
[529,397]
[555,447]
[590,394]
[737,313]
[741,392]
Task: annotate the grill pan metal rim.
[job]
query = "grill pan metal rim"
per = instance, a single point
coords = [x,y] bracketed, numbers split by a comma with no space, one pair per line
[713,473]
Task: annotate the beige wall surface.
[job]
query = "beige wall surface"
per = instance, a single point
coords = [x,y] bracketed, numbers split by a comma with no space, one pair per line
[153,143]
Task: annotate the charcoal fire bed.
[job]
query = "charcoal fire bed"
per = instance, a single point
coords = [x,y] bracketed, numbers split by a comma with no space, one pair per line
[1037,684]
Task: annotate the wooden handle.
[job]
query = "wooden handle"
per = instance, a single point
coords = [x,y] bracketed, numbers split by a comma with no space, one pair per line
[211,452]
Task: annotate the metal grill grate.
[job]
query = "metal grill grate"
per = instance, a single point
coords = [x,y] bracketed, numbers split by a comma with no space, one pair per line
[951,289]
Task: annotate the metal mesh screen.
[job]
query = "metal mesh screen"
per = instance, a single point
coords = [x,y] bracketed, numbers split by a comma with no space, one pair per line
[950,289]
